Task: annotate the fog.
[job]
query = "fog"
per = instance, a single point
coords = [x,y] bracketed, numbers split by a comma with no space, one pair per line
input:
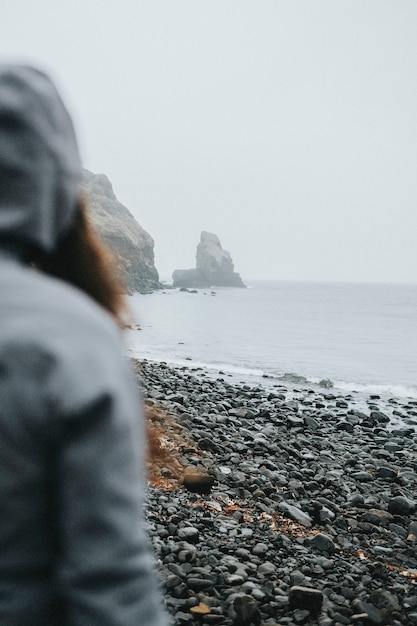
[288,128]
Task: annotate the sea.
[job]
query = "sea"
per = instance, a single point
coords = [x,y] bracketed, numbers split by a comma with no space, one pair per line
[350,337]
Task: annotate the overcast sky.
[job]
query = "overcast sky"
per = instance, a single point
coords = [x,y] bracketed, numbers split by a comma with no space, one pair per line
[286,127]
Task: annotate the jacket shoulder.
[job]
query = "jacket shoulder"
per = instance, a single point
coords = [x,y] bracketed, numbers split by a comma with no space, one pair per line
[56,331]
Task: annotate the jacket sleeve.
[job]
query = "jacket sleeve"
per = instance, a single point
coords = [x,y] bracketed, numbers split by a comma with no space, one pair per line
[104,570]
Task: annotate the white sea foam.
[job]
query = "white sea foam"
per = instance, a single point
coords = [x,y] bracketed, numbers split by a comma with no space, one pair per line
[397,391]
[256,376]
[218,368]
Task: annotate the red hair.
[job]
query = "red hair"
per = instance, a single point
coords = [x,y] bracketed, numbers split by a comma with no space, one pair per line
[83,260]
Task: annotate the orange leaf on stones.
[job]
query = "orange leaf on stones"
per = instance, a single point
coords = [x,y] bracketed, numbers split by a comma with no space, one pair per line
[200,609]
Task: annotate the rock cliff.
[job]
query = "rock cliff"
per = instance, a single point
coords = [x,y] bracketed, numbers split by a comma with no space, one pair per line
[131,245]
[214,267]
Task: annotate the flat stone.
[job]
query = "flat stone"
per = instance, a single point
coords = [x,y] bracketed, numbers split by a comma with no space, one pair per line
[322,543]
[199,584]
[377,516]
[234,579]
[362,477]
[305,598]
[189,533]
[387,473]
[296,514]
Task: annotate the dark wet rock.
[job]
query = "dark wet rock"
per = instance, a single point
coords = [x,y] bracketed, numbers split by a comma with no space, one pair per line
[342,404]
[403,433]
[311,422]
[377,516]
[326,383]
[287,509]
[346,426]
[356,499]
[387,604]
[246,610]
[188,533]
[198,584]
[379,416]
[399,505]
[322,543]
[205,443]
[296,514]
[387,473]
[197,480]
[267,569]
[305,598]
[372,613]
[412,531]
[362,477]
[294,422]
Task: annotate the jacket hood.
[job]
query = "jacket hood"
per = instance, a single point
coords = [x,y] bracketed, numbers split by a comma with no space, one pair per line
[40,167]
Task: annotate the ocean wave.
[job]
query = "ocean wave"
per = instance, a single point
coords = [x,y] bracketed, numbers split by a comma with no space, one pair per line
[219,368]
[398,391]
[293,378]
[394,390]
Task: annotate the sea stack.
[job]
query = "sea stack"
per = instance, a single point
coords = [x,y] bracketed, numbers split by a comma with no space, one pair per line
[131,245]
[214,267]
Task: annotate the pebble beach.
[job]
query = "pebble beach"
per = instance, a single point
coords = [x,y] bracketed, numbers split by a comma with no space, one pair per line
[281,504]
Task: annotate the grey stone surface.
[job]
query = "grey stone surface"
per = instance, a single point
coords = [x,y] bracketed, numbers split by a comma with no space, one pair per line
[214,267]
[294,510]
[130,244]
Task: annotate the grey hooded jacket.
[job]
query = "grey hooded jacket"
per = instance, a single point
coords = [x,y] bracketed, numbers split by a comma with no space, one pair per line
[72,546]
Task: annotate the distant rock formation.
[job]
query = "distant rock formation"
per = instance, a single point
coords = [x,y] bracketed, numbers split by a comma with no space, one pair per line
[214,267]
[131,245]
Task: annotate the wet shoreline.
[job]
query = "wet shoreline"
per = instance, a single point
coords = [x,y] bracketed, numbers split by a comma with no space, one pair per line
[310,518]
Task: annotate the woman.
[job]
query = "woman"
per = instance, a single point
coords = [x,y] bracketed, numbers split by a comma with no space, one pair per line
[72,549]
